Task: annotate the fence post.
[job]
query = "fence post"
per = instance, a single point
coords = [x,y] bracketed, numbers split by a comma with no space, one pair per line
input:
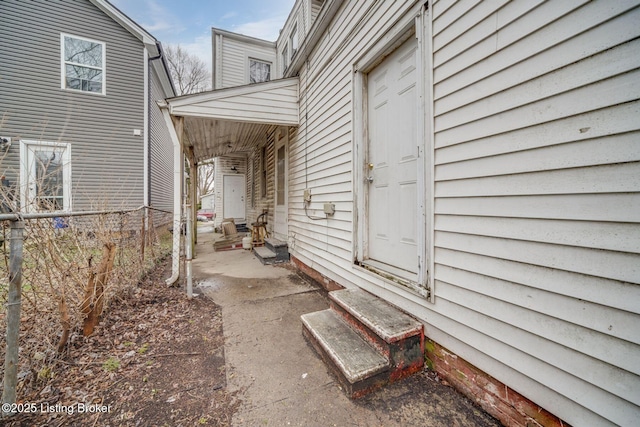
[13,314]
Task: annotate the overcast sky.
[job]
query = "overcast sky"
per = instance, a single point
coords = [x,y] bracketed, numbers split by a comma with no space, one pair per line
[189,22]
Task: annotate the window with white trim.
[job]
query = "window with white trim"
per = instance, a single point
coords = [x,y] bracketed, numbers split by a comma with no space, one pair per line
[82,64]
[285,57]
[293,41]
[46,176]
[259,71]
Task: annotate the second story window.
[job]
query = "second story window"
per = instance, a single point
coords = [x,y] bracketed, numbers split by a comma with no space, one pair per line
[285,57]
[293,41]
[259,71]
[83,63]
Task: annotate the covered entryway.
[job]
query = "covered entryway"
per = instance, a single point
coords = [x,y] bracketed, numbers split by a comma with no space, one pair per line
[392,206]
[230,122]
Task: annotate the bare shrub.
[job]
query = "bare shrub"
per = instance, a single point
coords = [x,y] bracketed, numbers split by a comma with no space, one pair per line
[73,270]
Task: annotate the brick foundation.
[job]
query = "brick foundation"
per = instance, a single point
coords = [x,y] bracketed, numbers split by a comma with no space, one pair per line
[325,282]
[497,399]
[511,408]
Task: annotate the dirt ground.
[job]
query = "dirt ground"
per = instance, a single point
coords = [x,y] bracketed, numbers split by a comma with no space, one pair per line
[156,360]
[159,359]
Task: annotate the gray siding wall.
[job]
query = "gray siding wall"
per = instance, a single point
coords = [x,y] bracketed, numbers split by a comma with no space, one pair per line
[107,160]
[161,170]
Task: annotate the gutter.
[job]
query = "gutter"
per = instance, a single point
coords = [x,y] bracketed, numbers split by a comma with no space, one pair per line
[177,186]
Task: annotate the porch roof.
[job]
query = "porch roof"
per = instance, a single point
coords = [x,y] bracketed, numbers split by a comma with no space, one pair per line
[232,120]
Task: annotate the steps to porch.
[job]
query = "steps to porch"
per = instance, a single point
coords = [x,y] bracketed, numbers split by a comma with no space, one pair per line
[366,342]
[274,251]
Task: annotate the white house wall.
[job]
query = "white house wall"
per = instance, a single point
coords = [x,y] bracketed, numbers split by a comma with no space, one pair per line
[256,202]
[537,181]
[232,53]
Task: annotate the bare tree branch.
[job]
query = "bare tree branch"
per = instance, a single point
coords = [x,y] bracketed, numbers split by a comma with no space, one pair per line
[188,72]
[205,179]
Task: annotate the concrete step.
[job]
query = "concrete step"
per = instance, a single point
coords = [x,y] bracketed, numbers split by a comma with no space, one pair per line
[265,255]
[360,368]
[398,336]
[280,248]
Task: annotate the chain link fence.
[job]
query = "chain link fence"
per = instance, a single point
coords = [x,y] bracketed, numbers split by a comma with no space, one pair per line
[73,270]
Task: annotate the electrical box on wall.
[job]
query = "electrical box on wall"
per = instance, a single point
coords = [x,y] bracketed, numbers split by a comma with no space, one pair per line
[307,195]
[329,208]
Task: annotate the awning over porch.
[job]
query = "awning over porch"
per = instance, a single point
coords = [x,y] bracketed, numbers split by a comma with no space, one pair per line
[233,119]
[219,122]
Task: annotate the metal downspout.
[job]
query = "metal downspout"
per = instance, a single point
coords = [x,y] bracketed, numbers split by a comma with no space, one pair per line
[177,187]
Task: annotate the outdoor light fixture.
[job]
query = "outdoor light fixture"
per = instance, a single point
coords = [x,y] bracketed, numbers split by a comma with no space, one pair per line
[5,143]
[235,169]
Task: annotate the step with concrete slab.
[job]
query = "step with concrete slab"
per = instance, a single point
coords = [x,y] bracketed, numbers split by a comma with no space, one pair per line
[278,248]
[265,255]
[397,335]
[359,367]
[370,334]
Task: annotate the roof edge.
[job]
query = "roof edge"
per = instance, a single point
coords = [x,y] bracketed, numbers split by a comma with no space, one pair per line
[234,90]
[242,37]
[129,24]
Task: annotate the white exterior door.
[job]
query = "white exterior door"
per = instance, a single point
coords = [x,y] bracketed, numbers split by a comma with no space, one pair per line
[233,197]
[280,229]
[392,163]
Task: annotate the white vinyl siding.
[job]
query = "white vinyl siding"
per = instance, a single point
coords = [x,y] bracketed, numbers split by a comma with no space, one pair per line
[232,56]
[321,156]
[274,102]
[537,196]
[537,191]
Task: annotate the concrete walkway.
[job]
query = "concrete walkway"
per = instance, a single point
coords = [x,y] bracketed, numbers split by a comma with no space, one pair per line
[278,378]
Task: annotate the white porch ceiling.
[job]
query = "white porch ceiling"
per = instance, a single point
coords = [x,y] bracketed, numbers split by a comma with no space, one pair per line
[235,119]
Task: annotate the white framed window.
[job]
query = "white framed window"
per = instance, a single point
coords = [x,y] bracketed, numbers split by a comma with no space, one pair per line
[285,57]
[82,64]
[293,41]
[259,71]
[45,176]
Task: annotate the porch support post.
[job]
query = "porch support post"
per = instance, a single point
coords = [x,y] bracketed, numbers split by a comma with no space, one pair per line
[176,133]
[193,196]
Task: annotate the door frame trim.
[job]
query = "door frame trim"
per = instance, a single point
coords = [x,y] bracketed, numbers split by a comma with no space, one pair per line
[410,25]
[244,195]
